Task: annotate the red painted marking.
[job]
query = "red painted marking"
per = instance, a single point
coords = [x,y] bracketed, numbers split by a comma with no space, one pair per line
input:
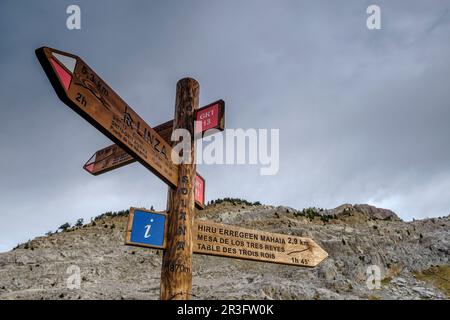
[209,118]
[63,75]
[199,189]
[90,167]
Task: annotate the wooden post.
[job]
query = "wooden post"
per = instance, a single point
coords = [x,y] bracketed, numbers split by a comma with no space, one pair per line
[176,272]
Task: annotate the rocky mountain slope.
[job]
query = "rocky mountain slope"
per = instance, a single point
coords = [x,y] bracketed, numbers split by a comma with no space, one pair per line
[413,258]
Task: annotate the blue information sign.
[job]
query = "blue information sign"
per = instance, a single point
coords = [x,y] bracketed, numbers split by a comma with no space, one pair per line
[147,228]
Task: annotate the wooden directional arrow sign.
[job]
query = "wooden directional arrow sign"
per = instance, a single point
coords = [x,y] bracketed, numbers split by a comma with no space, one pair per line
[231,241]
[236,242]
[107,159]
[113,157]
[78,86]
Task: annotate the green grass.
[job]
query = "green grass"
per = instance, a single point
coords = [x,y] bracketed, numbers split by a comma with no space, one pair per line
[312,213]
[438,276]
[235,201]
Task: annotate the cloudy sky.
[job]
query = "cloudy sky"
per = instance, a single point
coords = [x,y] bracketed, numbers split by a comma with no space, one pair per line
[363,114]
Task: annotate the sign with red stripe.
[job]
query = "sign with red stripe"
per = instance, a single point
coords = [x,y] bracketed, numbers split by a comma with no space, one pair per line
[80,88]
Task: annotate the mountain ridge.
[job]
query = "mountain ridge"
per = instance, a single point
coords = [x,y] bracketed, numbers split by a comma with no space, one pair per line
[356,237]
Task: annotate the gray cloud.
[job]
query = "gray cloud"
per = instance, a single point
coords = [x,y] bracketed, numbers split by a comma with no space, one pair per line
[363,115]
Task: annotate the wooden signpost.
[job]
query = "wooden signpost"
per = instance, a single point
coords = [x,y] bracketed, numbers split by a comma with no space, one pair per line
[175,231]
[176,273]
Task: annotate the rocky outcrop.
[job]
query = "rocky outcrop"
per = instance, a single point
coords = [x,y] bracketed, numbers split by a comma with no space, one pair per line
[357,237]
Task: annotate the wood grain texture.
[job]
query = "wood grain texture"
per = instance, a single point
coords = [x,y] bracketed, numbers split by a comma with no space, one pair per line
[90,97]
[105,161]
[176,271]
[217,239]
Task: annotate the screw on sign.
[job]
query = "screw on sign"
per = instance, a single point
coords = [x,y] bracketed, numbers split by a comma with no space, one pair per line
[174,231]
